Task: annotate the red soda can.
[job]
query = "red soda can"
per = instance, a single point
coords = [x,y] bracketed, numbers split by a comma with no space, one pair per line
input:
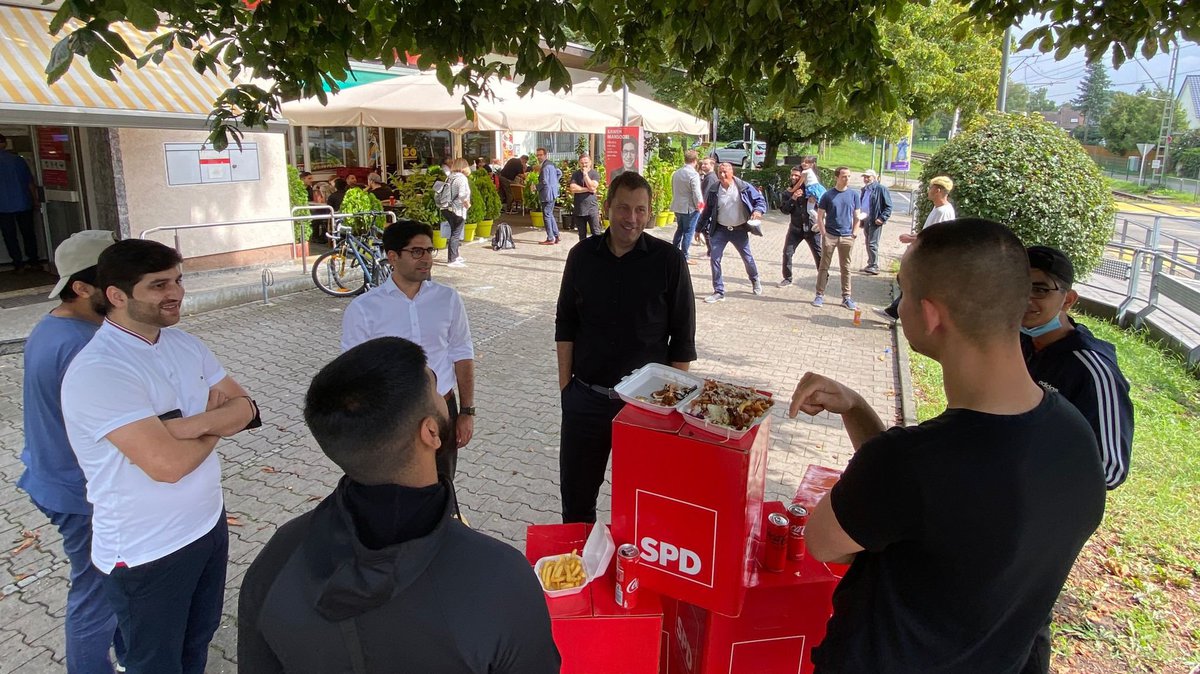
[775,556]
[798,516]
[628,559]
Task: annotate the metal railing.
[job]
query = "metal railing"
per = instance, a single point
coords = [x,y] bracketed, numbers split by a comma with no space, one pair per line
[1181,253]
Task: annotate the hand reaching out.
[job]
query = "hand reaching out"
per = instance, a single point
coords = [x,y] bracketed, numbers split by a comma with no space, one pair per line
[816,393]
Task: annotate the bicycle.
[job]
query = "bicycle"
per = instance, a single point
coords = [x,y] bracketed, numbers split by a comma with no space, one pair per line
[354,265]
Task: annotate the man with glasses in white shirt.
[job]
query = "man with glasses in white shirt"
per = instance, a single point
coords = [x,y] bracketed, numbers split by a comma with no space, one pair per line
[426,313]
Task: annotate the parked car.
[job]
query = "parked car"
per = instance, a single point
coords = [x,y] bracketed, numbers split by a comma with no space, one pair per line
[735,153]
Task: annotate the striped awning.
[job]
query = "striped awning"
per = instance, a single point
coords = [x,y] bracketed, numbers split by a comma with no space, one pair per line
[169,95]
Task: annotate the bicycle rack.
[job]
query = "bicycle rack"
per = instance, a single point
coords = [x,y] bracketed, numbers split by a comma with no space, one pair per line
[268,280]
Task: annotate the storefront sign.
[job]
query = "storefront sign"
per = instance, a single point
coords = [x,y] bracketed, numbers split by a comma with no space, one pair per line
[197,164]
[622,150]
[901,147]
[53,155]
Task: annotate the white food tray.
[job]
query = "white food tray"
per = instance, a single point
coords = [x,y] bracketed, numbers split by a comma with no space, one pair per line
[726,432]
[650,378]
[597,554]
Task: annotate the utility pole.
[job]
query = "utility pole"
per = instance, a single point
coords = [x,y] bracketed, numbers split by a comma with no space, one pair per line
[1002,99]
[1159,167]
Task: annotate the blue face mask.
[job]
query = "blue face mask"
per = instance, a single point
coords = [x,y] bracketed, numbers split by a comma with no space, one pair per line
[1047,327]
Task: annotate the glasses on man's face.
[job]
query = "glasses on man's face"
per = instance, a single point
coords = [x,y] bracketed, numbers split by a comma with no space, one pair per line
[1040,292]
[418,253]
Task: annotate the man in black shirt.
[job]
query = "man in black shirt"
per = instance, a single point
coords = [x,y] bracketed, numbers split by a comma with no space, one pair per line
[512,168]
[584,183]
[960,531]
[794,203]
[625,301]
[339,194]
[380,577]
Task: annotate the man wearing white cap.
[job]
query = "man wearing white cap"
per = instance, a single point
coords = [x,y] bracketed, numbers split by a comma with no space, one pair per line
[877,202]
[52,475]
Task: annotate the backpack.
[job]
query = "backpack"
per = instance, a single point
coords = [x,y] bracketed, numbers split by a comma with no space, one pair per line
[502,238]
[442,194]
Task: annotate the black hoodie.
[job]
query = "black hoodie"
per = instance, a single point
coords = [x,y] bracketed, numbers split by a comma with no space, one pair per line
[450,600]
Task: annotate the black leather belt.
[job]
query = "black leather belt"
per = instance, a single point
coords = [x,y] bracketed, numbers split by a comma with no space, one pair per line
[734,227]
[602,390]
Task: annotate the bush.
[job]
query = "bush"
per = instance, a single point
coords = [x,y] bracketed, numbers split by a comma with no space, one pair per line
[359,200]
[1188,162]
[475,210]
[415,195]
[298,196]
[1030,176]
[489,196]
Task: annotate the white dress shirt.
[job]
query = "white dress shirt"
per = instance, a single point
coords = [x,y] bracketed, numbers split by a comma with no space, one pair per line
[729,205]
[435,319]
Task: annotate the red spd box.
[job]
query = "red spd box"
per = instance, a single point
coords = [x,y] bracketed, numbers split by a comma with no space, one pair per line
[817,482]
[690,501]
[783,618]
[593,634]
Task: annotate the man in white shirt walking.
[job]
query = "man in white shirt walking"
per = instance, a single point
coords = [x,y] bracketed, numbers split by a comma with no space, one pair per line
[426,313]
[145,405]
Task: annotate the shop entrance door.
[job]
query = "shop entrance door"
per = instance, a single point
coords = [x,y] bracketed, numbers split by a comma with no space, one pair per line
[58,173]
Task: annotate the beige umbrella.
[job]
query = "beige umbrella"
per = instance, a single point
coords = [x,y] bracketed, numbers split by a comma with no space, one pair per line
[644,112]
[420,101]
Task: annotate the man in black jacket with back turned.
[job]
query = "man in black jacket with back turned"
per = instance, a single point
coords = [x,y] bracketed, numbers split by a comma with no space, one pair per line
[379,577]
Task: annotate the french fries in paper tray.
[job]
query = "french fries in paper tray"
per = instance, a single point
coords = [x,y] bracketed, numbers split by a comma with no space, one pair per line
[569,573]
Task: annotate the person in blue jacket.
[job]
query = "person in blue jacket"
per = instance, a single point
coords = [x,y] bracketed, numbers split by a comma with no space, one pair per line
[733,210]
[547,189]
[1064,356]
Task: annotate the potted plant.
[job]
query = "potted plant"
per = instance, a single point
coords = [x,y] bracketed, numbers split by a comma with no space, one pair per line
[361,201]
[298,196]
[602,193]
[474,211]
[489,197]
[532,200]
[415,196]
[658,174]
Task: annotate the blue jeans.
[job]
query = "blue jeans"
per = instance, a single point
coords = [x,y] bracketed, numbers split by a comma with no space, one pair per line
[91,624]
[170,608]
[551,223]
[740,238]
[685,231]
[873,232]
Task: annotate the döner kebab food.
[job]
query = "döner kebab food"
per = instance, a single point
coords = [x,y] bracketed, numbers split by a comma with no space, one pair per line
[669,395]
[729,405]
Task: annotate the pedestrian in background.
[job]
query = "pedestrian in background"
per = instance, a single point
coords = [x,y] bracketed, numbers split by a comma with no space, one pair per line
[877,202]
[732,209]
[547,190]
[686,199]
[800,228]
[939,193]
[584,183]
[838,216]
[456,214]
[18,201]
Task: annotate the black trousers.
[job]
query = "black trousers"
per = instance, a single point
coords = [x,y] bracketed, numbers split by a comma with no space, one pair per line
[586,222]
[10,223]
[457,225]
[447,454]
[585,446]
[1039,655]
[792,241]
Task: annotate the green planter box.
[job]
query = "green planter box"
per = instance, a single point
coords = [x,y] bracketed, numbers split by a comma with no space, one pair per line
[469,231]
[485,230]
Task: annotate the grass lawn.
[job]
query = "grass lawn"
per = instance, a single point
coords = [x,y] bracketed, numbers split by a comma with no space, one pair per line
[1148,190]
[857,156]
[1132,603]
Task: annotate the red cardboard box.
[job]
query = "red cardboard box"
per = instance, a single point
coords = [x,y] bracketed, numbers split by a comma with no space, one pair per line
[783,618]
[690,500]
[817,482]
[593,634]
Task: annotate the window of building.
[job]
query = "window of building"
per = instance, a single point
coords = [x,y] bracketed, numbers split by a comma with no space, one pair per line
[426,148]
[329,147]
[559,145]
[479,144]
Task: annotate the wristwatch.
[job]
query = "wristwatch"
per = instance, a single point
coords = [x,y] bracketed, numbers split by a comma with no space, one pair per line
[469,411]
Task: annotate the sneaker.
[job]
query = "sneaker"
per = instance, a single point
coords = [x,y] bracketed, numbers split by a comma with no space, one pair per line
[818,301]
[460,259]
[882,313]
[871,270]
[757,288]
[547,242]
[714,298]
[785,283]
[849,303]
[457,264]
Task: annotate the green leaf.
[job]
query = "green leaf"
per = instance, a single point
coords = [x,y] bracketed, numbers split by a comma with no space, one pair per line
[141,14]
[60,60]
[102,59]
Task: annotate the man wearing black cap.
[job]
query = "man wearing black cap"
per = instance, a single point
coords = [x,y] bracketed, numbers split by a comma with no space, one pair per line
[1064,356]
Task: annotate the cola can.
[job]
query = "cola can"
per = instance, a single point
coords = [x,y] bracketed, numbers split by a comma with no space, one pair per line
[627,576]
[775,555]
[798,518]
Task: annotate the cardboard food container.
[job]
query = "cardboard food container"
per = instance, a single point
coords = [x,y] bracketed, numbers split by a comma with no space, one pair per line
[597,553]
[650,378]
[727,432]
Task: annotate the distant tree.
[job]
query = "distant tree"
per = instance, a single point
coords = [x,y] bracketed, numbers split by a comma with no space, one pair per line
[1017,100]
[1137,118]
[1039,101]
[1095,95]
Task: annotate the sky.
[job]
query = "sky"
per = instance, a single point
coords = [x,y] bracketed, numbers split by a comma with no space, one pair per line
[1062,78]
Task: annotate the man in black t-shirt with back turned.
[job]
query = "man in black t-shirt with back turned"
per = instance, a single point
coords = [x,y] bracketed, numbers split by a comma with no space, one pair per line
[961,531]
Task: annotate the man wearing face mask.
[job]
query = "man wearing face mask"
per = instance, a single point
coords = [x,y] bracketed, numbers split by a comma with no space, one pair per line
[1064,356]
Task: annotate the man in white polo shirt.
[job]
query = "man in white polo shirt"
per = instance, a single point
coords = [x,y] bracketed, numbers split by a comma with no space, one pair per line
[428,314]
[145,405]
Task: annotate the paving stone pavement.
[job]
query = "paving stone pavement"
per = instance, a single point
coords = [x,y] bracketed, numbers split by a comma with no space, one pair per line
[508,474]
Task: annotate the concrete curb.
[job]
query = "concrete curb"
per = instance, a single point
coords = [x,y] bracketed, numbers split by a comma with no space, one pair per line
[202,301]
[908,400]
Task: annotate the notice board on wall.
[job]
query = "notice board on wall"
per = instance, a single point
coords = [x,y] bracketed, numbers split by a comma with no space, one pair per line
[198,164]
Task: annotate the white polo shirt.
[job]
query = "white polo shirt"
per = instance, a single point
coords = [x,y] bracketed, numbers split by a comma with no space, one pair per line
[120,378]
[435,318]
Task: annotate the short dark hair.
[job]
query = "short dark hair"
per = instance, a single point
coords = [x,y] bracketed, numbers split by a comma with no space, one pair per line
[125,262]
[837,172]
[979,269]
[365,407]
[304,174]
[398,234]
[798,168]
[87,276]
[628,181]
[340,184]
[543,150]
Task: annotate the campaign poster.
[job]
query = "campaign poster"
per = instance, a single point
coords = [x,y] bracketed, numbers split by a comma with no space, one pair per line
[623,147]
[900,151]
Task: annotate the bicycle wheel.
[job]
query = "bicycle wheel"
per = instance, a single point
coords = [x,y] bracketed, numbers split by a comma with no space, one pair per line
[339,275]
